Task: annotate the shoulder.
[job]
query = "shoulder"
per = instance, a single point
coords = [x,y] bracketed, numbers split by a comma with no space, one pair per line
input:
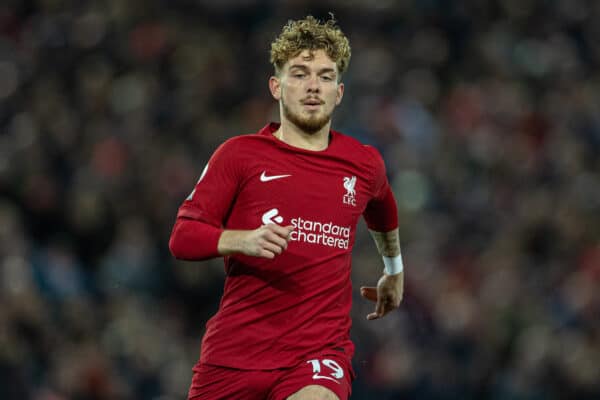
[247,139]
[375,155]
[354,148]
[243,144]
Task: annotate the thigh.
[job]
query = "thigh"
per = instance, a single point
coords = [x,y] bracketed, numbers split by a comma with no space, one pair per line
[211,382]
[308,379]
[314,392]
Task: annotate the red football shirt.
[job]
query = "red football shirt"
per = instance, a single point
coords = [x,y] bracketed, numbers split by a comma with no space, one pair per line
[275,312]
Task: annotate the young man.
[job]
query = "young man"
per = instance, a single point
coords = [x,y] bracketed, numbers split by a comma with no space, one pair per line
[282,206]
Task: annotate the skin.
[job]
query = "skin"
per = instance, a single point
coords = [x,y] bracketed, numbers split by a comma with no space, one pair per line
[314,392]
[308,77]
[308,91]
[388,293]
[267,241]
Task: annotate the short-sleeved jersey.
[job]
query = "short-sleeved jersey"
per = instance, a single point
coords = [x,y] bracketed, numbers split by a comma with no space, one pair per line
[274,312]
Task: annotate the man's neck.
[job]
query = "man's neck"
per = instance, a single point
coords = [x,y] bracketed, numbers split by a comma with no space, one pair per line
[296,137]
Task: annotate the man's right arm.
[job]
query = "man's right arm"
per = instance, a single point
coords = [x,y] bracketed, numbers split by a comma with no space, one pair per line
[198,232]
[195,240]
[267,241]
[192,239]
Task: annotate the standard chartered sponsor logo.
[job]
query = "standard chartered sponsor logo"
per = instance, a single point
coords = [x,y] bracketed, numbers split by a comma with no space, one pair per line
[324,233]
[316,232]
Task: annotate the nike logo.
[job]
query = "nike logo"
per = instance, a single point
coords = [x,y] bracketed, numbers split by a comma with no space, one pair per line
[265,178]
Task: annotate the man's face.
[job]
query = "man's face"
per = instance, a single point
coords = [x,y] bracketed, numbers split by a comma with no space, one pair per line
[308,90]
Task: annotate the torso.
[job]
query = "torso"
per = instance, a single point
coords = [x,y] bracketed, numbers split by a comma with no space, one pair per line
[275,311]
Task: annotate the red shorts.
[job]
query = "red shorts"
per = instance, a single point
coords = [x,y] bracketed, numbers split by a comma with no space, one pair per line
[211,382]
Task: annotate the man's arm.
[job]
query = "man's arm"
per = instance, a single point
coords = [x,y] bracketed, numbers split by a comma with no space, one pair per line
[388,243]
[267,241]
[195,240]
[198,233]
[389,290]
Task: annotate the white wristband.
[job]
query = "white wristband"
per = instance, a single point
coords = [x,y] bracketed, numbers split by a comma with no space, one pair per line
[393,265]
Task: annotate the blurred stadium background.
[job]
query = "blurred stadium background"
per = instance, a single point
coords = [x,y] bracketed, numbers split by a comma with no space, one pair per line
[487,113]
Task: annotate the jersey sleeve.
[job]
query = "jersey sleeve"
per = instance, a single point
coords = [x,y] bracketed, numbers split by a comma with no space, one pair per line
[215,191]
[381,213]
[200,219]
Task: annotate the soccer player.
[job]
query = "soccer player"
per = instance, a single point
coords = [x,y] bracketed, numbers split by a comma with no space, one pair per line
[281,206]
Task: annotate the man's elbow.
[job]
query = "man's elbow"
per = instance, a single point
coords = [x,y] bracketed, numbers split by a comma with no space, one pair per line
[175,247]
[194,241]
[179,243]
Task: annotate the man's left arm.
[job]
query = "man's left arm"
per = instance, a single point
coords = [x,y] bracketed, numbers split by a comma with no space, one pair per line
[389,290]
[381,216]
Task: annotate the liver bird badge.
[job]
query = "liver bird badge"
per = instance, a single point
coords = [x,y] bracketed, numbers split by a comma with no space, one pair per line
[349,185]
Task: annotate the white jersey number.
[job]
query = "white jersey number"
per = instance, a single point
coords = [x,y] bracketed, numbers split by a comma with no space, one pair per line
[336,373]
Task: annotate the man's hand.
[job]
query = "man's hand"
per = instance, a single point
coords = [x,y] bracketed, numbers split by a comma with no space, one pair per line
[267,241]
[387,294]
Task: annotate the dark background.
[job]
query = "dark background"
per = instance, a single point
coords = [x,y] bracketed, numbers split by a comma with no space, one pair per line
[487,114]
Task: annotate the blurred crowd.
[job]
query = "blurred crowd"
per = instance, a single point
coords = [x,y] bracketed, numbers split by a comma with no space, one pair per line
[487,114]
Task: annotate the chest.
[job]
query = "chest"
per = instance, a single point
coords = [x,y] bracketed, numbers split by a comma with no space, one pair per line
[278,190]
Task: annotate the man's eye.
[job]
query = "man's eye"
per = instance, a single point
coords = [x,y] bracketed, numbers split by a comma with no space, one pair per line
[299,75]
[327,78]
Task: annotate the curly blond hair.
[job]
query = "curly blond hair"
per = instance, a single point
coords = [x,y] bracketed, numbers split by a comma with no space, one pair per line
[311,34]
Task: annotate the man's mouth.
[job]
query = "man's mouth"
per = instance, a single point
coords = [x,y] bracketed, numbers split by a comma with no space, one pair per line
[313,102]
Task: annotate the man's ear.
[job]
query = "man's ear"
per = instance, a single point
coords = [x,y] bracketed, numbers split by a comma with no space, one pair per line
[275,87]
[340,94]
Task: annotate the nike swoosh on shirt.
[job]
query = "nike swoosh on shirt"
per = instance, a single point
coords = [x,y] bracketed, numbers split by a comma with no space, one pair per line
[265,178]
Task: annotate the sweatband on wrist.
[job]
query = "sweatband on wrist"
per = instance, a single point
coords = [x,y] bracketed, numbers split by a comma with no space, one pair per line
[393,265]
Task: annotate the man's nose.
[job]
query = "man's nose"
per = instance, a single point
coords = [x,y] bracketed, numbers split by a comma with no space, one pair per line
[314,85]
